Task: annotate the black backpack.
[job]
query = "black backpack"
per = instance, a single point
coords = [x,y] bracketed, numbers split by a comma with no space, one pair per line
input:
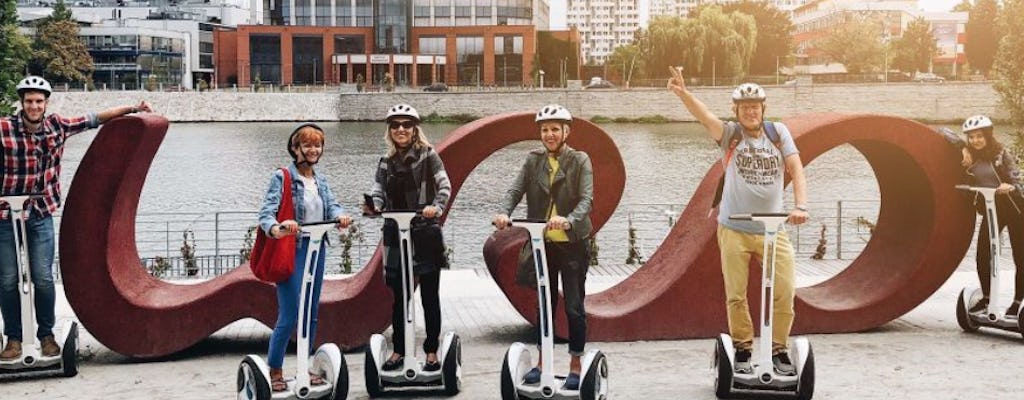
[734,140]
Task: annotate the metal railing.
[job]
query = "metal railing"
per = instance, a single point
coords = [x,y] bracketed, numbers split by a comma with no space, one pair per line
[198,245]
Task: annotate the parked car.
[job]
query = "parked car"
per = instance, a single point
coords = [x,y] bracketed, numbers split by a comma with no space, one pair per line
[599,83]
[436,87]
[928,77]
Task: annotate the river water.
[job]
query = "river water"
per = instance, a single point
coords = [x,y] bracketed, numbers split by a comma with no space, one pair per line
[206,172]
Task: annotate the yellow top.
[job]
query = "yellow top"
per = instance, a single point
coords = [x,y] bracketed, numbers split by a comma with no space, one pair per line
[554,235]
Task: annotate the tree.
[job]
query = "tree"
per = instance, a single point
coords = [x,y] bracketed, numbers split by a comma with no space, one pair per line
[712,43]
[916,48]
[627,61]
[15,51]
[964,6]
[60,12]
[982,36]
[856,43]
[1008,68]
[60,53]
[774,33]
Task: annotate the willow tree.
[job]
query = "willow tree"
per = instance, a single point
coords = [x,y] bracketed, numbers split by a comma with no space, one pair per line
[712,43]
[1008,68]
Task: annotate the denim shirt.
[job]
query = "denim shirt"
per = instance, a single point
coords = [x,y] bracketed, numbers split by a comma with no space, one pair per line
[268,213]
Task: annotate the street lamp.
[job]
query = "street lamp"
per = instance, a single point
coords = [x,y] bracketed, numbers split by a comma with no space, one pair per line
[541,79]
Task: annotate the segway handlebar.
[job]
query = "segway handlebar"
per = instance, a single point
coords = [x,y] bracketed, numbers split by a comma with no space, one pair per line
[529,221]
[751,216]
[318,223]
[973,188]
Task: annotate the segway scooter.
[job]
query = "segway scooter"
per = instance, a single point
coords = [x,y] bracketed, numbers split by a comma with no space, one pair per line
[593,375]
[32,362]
[761,378]
[990,317]
[412,373]
[328,362]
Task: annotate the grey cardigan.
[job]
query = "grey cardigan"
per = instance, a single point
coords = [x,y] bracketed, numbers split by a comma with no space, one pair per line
[572,189]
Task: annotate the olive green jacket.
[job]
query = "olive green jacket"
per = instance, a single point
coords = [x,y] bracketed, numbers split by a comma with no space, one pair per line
[572,189]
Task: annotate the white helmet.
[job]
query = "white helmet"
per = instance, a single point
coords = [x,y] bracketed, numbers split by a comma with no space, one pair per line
[34,83]
[976,122]
[749,92]
[553,112]
[402,110]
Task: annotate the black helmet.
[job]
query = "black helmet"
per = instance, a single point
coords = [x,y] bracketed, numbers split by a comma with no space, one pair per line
[291,137]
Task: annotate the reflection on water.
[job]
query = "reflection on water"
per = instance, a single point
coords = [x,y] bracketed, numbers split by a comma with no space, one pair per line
[217,167]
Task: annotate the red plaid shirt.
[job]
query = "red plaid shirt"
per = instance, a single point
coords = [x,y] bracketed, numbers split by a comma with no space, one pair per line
[31,161]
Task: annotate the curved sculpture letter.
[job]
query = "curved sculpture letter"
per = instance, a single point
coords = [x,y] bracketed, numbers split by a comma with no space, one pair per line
[135,314]
[677,294]
[922,233]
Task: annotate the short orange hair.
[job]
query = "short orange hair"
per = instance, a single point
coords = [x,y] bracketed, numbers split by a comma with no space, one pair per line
[308,134]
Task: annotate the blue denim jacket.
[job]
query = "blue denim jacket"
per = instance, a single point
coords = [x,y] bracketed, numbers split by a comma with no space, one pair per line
[268,213]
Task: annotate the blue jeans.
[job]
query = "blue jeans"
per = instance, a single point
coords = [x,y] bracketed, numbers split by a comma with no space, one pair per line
[288,304]
[40,258]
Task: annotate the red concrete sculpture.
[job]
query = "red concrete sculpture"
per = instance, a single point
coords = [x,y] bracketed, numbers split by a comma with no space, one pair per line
[135,314]
[924,229]
[677,294]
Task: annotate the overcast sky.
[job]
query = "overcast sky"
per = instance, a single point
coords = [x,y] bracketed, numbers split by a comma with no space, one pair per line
[558,9]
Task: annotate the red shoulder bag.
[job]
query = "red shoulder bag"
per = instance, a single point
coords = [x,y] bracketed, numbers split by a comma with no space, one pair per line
[273,260]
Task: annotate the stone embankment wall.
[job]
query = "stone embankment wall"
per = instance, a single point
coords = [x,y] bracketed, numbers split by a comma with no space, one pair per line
[949,102]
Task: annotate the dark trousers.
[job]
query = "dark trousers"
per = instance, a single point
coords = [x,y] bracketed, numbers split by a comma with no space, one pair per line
[1013,220]
[430,283]
[570,260]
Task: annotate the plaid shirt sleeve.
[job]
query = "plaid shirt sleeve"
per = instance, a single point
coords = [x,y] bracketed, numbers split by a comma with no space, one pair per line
[75,125]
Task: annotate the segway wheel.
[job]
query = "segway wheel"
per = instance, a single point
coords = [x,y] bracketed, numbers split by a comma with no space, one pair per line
[69,357]
[251,384]
[1020,321]
[508,387]
[450,370]
[595,384]
[327,356]
[963,317]
[723,366]
[805,384]
[374,388]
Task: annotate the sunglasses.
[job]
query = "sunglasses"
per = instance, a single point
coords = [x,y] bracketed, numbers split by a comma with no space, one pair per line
[404,124]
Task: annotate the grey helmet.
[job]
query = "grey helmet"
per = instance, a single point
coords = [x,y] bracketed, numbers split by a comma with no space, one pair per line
[553,112]
[34,83]
[749,92]
[402,110]
[976,122]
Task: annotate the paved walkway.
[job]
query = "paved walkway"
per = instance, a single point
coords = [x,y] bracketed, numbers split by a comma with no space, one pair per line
[922,355]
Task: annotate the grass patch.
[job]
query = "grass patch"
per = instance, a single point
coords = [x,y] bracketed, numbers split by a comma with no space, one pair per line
[646,119]
[454,118]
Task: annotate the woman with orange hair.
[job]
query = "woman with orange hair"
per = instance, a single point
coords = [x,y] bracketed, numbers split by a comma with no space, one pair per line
[313,202]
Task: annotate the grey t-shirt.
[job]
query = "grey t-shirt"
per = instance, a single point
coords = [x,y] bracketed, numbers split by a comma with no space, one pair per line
[754,176]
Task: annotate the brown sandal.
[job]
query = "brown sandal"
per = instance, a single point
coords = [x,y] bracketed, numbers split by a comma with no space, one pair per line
[278,385]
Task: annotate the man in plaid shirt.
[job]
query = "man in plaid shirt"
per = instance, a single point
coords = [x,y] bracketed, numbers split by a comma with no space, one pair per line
[32,146]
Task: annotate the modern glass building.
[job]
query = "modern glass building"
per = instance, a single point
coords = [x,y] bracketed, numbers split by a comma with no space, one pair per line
[417,42]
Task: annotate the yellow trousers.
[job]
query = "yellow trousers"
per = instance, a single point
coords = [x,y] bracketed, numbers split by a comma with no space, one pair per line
[737,248]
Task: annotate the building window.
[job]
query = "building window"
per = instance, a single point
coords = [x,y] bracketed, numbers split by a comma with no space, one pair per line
[508,60]
[469,59]
[432,45]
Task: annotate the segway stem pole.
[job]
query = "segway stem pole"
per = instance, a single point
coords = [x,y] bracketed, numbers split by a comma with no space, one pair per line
[316,231]
[26,290]
[994,247]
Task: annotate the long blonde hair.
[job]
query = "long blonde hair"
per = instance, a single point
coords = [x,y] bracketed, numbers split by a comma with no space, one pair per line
[419,140]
